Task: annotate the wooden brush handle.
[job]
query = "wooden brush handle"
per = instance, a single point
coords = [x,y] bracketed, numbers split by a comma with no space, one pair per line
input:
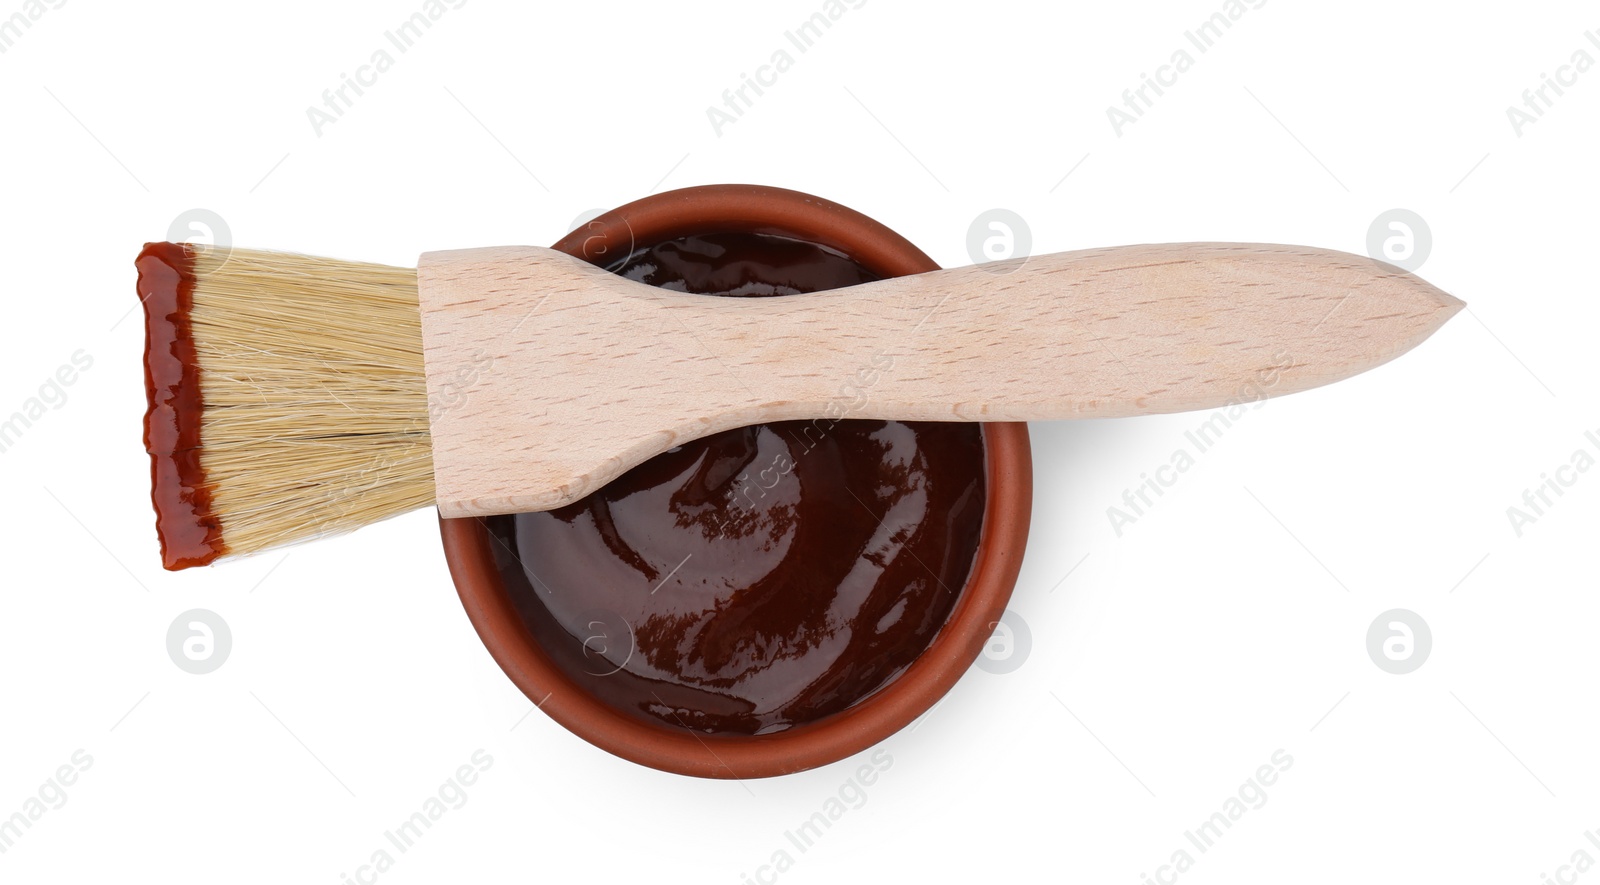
[549,377]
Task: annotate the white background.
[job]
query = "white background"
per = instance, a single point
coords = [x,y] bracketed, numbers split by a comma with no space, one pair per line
[1226,623]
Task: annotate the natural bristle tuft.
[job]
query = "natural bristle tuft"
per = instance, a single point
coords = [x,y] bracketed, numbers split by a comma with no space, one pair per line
[311,408]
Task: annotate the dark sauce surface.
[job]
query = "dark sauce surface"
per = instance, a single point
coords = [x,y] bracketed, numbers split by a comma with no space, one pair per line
[189,531]
[763,577]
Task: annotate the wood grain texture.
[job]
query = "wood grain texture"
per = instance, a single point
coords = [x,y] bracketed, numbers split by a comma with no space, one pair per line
[548,377]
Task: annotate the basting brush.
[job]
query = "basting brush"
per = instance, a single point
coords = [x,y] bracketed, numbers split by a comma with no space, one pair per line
[292,397]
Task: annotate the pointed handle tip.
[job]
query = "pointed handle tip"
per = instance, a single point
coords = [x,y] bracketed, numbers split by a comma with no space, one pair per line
[1442,304]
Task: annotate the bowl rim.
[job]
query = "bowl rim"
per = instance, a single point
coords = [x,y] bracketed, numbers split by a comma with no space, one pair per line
[1007,512]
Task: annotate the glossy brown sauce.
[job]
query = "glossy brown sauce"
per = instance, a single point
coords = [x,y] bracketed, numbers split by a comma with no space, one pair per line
[190,533]
[759,578]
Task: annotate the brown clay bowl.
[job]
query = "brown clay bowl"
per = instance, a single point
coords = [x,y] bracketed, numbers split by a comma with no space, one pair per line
[754,209]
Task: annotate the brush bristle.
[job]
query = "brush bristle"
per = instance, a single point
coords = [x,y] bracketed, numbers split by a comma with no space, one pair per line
[314,406]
